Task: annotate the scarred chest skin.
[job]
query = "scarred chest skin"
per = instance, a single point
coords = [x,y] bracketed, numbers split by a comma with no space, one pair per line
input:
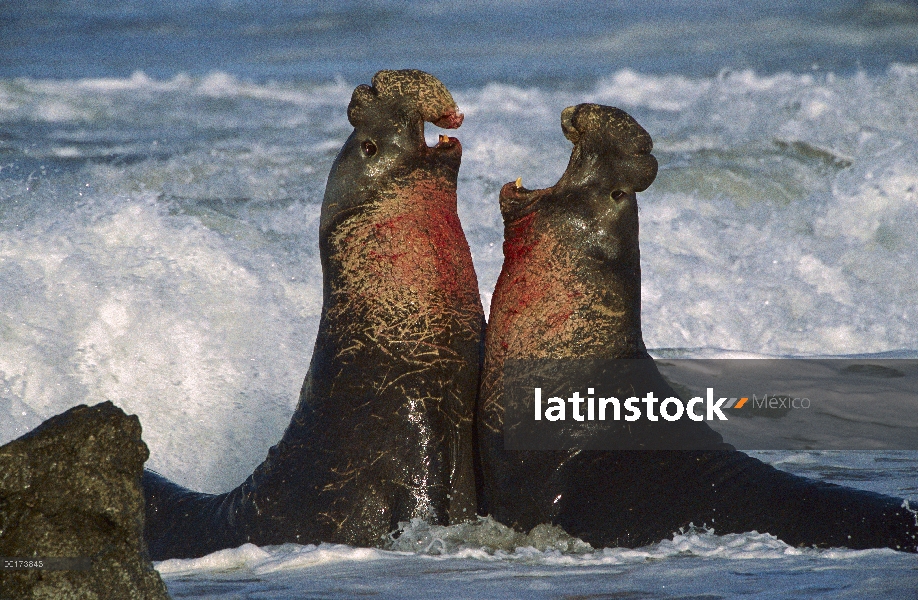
[405,255]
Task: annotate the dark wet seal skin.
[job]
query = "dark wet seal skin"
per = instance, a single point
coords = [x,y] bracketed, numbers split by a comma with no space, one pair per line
[570,288]
[383,429]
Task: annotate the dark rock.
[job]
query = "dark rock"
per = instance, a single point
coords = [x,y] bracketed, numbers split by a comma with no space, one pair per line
[71,488]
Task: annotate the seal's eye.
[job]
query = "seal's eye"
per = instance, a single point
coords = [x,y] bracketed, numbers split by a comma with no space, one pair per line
[618,195]
[369,148]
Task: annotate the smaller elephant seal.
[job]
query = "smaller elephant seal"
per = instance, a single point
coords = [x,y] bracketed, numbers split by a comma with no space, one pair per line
[570,289]
[383,429]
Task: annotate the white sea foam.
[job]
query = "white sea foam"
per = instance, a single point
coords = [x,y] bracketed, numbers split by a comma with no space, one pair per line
[467,542]
[472,566]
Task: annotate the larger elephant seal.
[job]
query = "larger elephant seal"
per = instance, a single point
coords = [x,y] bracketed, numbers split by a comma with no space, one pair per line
[383,429]
[570,288]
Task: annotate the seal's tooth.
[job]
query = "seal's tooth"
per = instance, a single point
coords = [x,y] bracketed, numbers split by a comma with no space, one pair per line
[519,182]
[443,138]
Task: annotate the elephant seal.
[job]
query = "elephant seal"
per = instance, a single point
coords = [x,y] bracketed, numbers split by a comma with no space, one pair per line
[570,288]
[383,429]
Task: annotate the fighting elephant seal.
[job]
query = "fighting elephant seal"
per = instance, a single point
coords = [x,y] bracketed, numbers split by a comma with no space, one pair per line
[383,429]
[570,289]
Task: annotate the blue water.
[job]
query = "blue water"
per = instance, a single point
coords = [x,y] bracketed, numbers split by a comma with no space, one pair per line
[162,166]
[465,43]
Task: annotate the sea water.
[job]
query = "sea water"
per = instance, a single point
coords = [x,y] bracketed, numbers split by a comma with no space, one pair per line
[162,166]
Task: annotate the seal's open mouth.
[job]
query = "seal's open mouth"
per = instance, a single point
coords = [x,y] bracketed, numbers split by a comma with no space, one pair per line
[611,157]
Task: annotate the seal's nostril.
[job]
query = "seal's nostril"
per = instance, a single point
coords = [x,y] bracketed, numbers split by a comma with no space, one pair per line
[618,195]
[369,148]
